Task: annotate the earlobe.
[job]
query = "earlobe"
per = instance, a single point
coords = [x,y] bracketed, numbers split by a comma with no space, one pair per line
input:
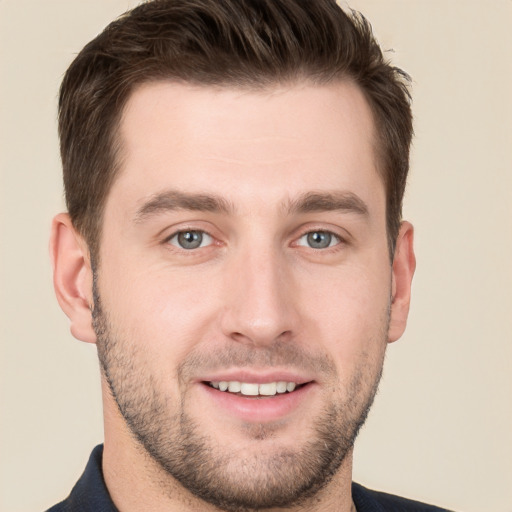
[72,277]
[404,264]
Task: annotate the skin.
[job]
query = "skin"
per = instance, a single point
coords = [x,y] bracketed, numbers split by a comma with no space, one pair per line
[255,298]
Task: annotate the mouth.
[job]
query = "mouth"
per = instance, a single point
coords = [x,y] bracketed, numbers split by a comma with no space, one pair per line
[259,396]
[254,390]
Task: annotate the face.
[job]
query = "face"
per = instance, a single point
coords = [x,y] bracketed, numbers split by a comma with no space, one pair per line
[243,292]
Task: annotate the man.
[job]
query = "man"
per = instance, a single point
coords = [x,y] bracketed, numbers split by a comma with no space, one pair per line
[234,173]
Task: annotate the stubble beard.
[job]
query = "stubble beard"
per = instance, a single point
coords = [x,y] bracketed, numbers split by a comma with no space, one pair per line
[282,478]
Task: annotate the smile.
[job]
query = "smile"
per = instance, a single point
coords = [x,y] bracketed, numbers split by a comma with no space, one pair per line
[252,389]
[259,398]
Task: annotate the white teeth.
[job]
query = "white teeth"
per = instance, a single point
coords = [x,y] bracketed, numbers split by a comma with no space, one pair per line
[281,387]
[234,387]
[249,389]
[268,389]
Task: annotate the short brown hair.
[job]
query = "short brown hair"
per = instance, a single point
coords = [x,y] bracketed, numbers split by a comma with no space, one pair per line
[240,43]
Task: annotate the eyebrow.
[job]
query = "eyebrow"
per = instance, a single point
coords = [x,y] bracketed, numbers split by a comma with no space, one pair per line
[345,202]
[172,200]
[310,202]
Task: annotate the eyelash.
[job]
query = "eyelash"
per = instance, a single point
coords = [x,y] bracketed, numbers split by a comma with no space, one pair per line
[332,237]
[201,232]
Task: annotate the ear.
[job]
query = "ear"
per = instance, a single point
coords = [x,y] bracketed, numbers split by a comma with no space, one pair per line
[404,264]
[72,277]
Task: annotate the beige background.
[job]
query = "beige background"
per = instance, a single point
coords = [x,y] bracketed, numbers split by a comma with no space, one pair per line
[441,429]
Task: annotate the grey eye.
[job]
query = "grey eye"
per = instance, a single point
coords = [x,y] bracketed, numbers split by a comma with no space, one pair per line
[318,239]
[190,239]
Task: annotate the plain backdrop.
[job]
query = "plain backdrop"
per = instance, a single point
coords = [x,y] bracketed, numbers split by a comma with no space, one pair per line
[441,428]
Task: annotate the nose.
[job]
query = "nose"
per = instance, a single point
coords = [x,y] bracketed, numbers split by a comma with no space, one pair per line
[259,299]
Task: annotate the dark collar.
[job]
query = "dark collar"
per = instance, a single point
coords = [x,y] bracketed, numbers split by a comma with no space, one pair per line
[90,494]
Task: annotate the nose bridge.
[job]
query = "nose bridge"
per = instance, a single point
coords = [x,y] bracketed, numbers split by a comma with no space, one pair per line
[259,305]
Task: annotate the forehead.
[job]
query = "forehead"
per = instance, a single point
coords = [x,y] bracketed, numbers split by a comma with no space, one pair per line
[242,143]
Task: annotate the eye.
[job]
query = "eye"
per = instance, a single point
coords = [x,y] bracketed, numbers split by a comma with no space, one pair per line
[319,239]
[190,239]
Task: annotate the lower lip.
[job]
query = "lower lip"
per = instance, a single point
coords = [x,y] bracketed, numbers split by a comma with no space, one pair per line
[261,409]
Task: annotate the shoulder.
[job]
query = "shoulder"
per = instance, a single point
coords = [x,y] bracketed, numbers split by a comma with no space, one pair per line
[90,492]
[367,500]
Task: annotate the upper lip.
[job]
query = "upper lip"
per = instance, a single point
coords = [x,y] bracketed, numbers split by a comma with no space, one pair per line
[256,377]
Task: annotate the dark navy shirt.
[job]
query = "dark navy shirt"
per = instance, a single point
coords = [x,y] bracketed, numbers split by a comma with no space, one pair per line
[90,495]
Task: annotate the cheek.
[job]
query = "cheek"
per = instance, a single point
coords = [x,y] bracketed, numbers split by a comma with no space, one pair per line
[350,313]
[162,311]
